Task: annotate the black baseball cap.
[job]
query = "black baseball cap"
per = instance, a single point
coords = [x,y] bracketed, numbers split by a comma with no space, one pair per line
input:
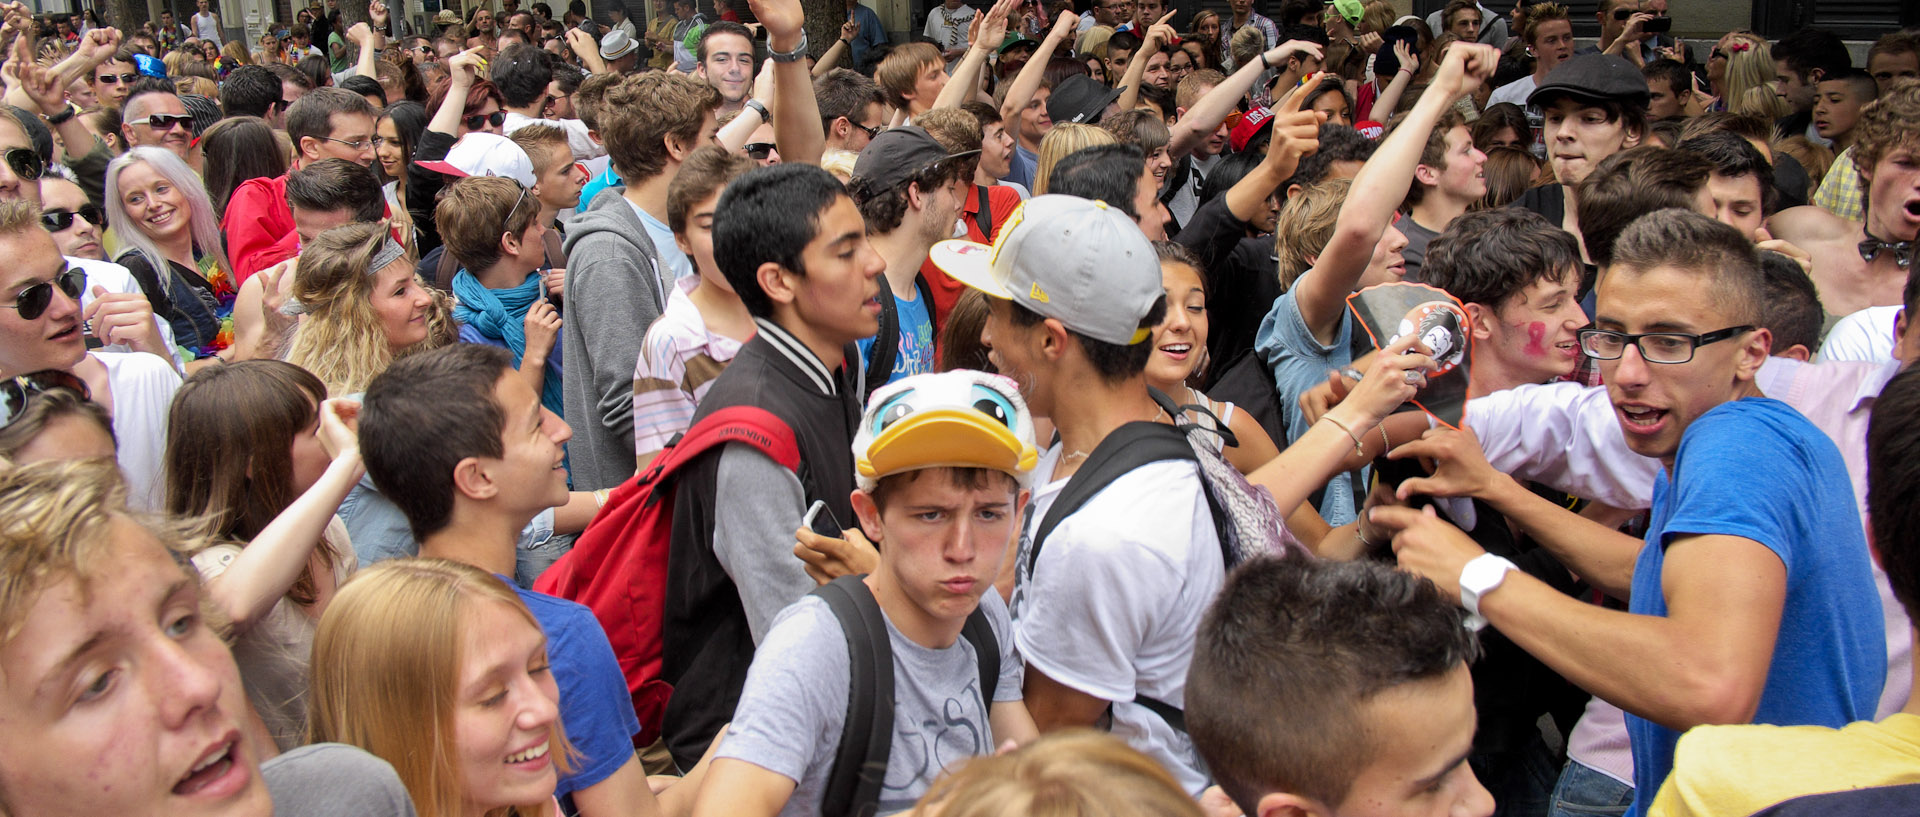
[1594,77]
[1082,99]
[899,154]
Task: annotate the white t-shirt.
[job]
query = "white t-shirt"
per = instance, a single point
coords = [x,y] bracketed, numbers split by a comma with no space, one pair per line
[142,387]
[947,28]
[116,279]
[1112,604]
[1515,92]
[1865,336]
[206,26]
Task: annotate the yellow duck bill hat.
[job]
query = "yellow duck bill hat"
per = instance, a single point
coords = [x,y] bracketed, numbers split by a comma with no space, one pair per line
[956,419]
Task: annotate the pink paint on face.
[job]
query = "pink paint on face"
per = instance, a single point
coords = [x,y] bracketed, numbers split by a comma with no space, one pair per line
[1536,339]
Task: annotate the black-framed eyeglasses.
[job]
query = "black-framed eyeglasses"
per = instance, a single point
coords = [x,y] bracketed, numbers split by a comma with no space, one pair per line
[17,392]
[496,119]
[356,144]
[1655,347]
[165,121]
[56,220]
[33,301]
[1716,54]
[759,151]
[25,163]
[116,79]
[871,132]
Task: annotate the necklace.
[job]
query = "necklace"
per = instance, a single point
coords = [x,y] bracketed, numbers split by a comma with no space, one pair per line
[1903,251]
[1077,454]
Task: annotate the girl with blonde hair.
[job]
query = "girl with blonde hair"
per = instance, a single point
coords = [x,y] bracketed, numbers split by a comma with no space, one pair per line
[166,223]
[439,669]
[363,306]
[1072,773]
[1752,83]
[1065,138]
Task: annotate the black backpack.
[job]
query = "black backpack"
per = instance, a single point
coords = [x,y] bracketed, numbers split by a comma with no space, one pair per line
[860,761]
[886,343]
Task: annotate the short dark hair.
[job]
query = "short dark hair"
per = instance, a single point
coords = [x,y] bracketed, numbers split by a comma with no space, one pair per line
[1109,173]
[1124,41]
[1678,238]
[843,92]
[1808,50]
[365,86]
[1630,184]
[986,114]
[250,90]
[884,207]
[1791,308]
[769,214]
[1893,476]
[1672,72]
[959,478]
[1631,116]
[317,70]
[721,27]
[1161,98]
[146,86]
[707,170]
[1489,256]
[288,73]
[1306,643]
[1733,156]
[1338,143]
[1112,362]
[312,114]
[425,414]
[522,73]
[1865,89]
[1434,153]
[1227,172]
[337,184]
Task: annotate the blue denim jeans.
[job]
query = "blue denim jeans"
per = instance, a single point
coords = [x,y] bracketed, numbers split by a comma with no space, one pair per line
[1584,792]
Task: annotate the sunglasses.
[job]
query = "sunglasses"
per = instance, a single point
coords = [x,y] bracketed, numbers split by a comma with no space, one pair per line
[115,79]
[759,151]
[17,392]
[165,121]
[34,300]
[1622,14]
[496,119]
[25,163]
[57,220]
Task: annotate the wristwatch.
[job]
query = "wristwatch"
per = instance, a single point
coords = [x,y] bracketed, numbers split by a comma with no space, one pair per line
[758,107]
[798,52]
[65,114]
[1481,576]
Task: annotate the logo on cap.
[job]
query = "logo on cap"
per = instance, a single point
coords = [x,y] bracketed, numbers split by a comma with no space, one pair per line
[1039,294]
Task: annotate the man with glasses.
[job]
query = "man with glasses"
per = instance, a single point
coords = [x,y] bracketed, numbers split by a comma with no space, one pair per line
[1105,13]
[154,116]
[1751,598]
[325,123]
[111,78]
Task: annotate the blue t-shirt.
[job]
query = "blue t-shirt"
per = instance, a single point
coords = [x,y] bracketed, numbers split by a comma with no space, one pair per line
[597,184]
[1021,166]
[1300,362]
[1756,469]
[595,706]
[916,340]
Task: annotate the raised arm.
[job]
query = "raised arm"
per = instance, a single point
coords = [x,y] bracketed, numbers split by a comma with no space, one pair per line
[1159,35]
[370,39]
[796,114]
[1380,187]
[1389,98]
[1296,134]
[583,47]
[1201,120]
[838,51]
[1027,82]
[462,70]
[986,33]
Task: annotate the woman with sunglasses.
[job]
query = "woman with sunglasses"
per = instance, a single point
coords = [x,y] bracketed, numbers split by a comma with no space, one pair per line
[166,221]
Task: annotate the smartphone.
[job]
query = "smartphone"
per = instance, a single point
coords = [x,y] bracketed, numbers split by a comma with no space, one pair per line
[1658,25]
[819,509]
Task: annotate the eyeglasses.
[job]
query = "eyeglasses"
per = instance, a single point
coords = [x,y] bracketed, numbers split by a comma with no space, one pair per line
[34,300]
[759,151]
[496,119]
[1655,347]
[57,220]
[871,132]
[115,79]
[164,121]
[25,163]
[17,392]
[1622,14]
[356,144]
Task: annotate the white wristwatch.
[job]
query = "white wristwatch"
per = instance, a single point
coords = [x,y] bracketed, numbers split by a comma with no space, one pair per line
[1481,575]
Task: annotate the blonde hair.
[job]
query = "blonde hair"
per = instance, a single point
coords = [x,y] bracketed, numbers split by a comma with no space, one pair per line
[1065,138]
[386,672]
[1750,78]
[1306,225]
[1074,773]
[341,340]
[1093,42]
[1376,16]
[201,220]
[839,163]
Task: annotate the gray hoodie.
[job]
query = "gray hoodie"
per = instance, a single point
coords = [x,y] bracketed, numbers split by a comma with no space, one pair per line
[614,291]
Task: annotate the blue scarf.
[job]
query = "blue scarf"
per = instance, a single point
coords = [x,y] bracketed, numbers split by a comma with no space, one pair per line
[501,314]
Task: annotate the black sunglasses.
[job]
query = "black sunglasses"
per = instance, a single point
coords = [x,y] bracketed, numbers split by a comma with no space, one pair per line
[1622,14]
[25,163]
[759,151]
[34,300]
[56,220]
[496,119]
[165,121]
[115,79]
[17,392]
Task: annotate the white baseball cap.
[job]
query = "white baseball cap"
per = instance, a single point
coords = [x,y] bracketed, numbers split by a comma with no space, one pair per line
[484,154]
[1081,262]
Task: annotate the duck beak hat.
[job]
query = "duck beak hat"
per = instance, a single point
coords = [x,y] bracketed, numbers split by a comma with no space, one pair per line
[956,419]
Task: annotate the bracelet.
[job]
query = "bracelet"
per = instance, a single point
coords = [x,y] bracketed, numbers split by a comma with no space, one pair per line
[600,500]
[758,107]
[1404,70]
[1358,451]
[1361,534]
[1264,63]
[798,52]
[1384,440]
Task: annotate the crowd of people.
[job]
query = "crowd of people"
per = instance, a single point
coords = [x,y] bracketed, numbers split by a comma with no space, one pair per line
[504,413]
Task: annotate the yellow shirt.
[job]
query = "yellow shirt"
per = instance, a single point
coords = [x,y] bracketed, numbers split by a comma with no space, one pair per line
[1738,770]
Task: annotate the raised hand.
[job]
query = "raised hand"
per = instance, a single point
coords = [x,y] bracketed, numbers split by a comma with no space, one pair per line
[42,84]
[377,14]
[1464,68]
[1409,62]
[1160,34]
[339,421]
[98,45]
[542,326]
[123,318]
[1277,55]
[1065,28]
[1296,133]
[782,18]
[465,66]
[849,30]
[1396,374]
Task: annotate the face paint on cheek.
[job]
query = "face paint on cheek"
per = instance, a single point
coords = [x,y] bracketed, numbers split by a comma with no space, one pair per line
[1536,337]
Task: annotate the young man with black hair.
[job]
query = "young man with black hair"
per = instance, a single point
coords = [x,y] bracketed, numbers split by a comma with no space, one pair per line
[1802,59]
[1117,175]
[942,489]
[1593,106]
[851,109]
[908,188]
[252,90]
[524,76]
[794,247]
[1448,180]
[1740,183]
[1327,688]
[726,63]
[461,444]
[1669,85]
[1838,100]
[1748,600]
[321,196]
[325,123]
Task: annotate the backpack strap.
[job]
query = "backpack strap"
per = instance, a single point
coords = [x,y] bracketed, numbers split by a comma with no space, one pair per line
[1167,712]
[751,425]
[860,761]
[982,217]
[1128,447]
[986,647]
[886,343]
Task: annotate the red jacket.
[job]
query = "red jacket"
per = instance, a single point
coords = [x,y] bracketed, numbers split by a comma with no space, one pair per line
[257,221]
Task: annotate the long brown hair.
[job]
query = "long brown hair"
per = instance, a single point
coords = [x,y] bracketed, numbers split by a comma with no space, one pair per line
[229,457]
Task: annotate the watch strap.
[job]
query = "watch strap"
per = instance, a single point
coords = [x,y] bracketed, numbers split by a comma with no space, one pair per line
[1479,576]
[65,114]
[798,52]
[758,107]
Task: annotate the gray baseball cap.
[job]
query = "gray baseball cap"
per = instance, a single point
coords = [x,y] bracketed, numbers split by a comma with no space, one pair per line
[1077,261]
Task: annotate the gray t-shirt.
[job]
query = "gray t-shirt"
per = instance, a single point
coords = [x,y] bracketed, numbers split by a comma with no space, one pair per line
[794,706]
[334,780]
[1418,237]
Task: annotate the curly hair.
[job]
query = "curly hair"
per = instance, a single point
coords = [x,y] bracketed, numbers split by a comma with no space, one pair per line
[341,341]
[1885,126]
[640,114]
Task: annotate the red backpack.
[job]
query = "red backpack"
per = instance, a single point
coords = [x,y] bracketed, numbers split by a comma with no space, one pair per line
[618,566]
